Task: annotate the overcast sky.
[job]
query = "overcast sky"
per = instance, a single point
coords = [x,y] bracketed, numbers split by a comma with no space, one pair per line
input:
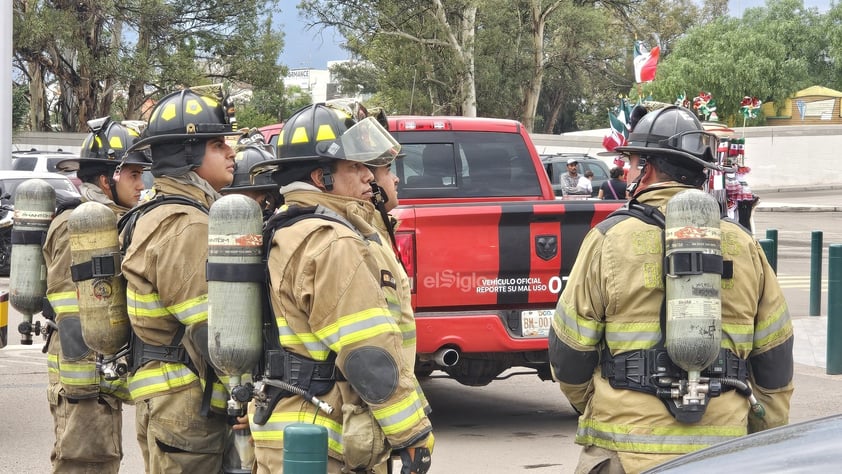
[311,49]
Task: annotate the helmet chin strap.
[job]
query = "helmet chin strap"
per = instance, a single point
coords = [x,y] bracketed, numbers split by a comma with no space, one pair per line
[327,177]
[636,183]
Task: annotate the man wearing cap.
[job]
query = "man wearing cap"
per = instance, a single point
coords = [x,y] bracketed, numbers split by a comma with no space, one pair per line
[607,348]
[572,183]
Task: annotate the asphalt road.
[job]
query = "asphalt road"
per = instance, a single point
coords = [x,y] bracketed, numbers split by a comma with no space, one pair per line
[520,424]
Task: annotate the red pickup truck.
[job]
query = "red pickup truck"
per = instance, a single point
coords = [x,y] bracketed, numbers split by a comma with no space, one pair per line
[485,243]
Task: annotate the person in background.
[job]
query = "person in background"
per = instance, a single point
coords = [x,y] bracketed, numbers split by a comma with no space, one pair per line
[86,407]
[609,321]
[250,151]
[615,187]
[587,181]
[572,183]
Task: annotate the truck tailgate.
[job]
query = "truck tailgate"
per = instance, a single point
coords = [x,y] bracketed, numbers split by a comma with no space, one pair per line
[503,255]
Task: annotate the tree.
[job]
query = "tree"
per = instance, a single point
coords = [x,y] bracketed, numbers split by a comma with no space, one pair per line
[443,31]
[770,53]
[98,53]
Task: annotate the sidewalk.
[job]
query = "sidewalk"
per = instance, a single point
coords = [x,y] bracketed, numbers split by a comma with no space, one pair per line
[810,345]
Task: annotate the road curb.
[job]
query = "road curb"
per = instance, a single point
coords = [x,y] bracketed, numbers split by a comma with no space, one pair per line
[787,208]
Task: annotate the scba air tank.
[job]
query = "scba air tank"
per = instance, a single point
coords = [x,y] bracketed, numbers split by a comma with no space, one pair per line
[101,291]
[694,309]
[235,288]
[35,205]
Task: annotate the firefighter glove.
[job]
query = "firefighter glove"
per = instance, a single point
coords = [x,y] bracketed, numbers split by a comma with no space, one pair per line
[417,458]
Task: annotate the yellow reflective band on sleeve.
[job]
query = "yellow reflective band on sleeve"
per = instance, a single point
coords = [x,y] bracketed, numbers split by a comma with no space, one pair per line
[118,388]
[78,373]
[661,440]
[775,326]
[52,363]
[145,306]
[632,336]
[192,311]
[409,334]
[585,332]
[310,341]
[738,337]
[357,327]
[64,302]
[273,430]
[219,396]
[160,379]
[187,312]
[400,416]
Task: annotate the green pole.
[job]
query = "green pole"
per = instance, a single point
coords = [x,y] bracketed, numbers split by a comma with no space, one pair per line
[305,449]
[772,234]
[834,309]
[816,273]
[768,248]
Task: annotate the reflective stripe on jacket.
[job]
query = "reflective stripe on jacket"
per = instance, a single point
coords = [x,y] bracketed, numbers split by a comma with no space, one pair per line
[325,297]
[614,296]
[79,377]
[166,288]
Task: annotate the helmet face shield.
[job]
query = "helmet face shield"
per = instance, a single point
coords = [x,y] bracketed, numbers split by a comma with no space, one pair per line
[698,143]
[365,142]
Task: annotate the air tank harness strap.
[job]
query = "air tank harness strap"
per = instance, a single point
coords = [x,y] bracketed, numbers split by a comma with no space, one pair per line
[28,237]
[99,266]
[651,371]
[312,376]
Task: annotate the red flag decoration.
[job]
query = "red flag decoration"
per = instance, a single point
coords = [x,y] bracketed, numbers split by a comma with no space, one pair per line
[618,134]
[645,62]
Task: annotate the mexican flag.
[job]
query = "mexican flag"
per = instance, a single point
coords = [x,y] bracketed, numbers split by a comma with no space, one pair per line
[618,134]
[645,62]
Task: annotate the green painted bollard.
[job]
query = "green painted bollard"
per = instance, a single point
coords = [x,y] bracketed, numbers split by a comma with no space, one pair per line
[768,248]
[305,449]
[834,309]
[772,234]
[816,273]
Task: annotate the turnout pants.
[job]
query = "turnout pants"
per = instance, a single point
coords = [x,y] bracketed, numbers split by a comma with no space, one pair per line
[88,433]
[175,438]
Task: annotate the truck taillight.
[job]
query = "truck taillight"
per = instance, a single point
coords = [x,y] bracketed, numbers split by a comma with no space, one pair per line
[405,242]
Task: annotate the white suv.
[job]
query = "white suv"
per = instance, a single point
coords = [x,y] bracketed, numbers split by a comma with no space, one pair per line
[43,162]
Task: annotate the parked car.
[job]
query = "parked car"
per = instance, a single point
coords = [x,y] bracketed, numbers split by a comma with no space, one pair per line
[809,446]
[43,162]
[556,165]
[9,181]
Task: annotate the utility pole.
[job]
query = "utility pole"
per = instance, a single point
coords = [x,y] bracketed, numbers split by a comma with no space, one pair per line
[6,93]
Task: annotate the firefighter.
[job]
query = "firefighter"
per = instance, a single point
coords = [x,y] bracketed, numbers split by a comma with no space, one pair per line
[328,291]
[251,150]
[608,327]
[180,404]
[87,408]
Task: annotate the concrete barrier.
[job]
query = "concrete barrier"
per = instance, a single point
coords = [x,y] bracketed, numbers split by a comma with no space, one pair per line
[779,157]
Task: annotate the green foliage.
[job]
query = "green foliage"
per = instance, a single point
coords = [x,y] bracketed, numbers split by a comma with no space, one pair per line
[770,53]
[20,107]
[110,56]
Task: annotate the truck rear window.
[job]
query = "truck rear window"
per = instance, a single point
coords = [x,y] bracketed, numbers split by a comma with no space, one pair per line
[464,164]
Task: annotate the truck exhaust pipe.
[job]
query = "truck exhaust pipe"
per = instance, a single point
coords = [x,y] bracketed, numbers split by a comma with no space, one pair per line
[446,357]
